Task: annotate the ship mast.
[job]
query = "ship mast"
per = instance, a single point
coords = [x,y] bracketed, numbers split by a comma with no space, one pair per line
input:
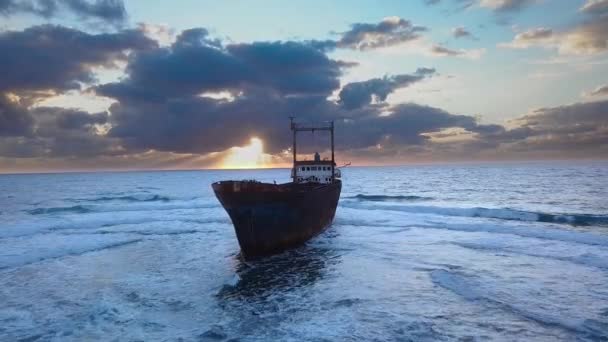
[295,128]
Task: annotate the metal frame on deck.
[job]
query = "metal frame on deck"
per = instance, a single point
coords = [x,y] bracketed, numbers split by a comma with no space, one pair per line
[329,126]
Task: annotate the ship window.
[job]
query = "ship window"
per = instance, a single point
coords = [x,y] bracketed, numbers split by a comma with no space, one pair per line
[307,168]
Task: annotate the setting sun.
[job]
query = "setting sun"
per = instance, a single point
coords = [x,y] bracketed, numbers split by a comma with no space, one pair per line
[246,157]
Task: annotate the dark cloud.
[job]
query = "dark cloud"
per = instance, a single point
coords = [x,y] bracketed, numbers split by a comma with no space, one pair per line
[43,61]
[403,125]
[390,31]
[358,94]
[289,67]
[53,132]
[461,32]
[57,58]
[194,65]
[14,119]
[112,11]
[76,119]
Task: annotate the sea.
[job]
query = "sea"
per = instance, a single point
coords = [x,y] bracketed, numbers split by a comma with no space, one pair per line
[453,252]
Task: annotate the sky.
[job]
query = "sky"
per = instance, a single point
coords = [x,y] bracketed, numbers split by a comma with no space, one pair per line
[112,85]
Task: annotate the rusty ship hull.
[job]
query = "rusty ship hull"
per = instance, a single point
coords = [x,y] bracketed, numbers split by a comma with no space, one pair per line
[270,218]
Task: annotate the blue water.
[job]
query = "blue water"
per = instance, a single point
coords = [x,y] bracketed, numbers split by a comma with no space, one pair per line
[423,253]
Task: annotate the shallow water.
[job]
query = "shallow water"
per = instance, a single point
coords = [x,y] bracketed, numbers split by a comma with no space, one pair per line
[451,252]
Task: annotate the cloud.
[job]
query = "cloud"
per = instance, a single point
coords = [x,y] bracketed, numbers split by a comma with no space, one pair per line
[498,6]
[589,37]
[168,88]
[442,51]
[404,125]
[160,106]
[505,5]
[112,11]
[199,97]
[52,132]
[194,65]
[575,130]
[388,32]
[14,120]
[595,6]
[535,36]
[600,91]
[358,94]
[47,60]
[461,32]
[57,58]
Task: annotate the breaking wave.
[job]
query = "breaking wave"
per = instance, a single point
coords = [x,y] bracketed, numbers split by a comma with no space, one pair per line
[387,198]
[501,214]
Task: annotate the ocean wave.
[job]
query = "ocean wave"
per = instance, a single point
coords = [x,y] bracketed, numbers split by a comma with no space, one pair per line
[585,259]
[78,209]
[499,213]
[91,221]
[129,198]
[85,209]
[387,198]
[472,289]
[27,253]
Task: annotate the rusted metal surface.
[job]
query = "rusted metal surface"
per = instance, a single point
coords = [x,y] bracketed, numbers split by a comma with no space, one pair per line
[270,218]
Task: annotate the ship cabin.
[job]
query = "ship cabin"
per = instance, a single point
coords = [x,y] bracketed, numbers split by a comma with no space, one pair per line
[314,171]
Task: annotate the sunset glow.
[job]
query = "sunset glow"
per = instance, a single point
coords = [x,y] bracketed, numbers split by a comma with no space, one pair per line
[247,157]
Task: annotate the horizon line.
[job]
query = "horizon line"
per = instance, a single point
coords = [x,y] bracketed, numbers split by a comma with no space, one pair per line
[522,161]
